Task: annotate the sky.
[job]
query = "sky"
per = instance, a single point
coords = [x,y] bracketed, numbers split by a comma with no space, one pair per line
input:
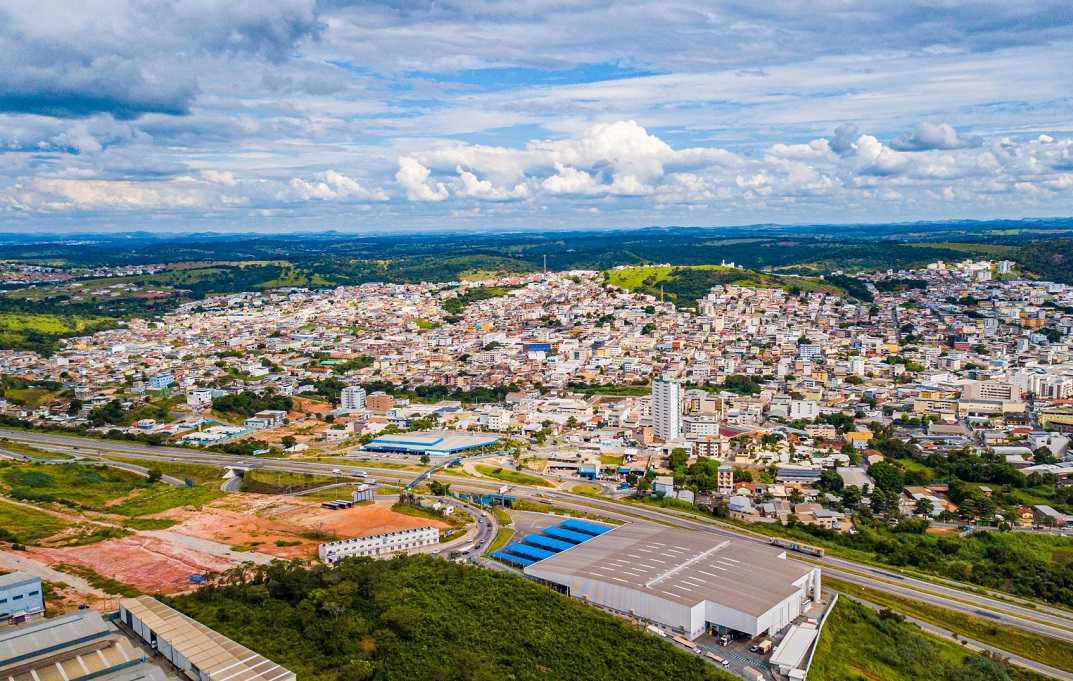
[303,115]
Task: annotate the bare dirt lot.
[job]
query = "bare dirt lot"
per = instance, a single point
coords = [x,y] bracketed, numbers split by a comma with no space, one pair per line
[359,521]
[231,529]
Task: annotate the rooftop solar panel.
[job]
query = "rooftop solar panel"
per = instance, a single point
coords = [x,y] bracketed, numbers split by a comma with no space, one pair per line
[529,551]
[557,532]
[555,545]
[584,527]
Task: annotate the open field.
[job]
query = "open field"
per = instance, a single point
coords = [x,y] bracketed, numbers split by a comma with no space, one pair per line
[27,524]
[1035,647]
[197,473]
[503,536]
[95,487]
[685,285]
[859,643]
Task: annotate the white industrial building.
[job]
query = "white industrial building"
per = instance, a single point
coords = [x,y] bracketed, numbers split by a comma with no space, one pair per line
[20,594]
[198,651]
[376,545]
[666,408]
[687,581]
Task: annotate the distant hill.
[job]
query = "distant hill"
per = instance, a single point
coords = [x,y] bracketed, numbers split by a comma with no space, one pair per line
[1049,260]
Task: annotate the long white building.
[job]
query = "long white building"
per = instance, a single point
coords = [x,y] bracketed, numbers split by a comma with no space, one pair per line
[666,408]
[688,582]
[377,545]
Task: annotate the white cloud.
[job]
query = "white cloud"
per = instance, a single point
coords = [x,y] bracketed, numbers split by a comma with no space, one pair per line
[414,179]
[332,186]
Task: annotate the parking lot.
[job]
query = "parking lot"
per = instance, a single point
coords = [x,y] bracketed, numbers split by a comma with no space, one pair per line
[736,652]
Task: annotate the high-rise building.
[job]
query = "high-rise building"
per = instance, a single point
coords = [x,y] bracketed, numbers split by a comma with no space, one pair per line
[666,408]
[352,398]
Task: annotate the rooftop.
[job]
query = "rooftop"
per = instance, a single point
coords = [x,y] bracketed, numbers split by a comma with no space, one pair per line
[17,578]
[214,654]
[682,566]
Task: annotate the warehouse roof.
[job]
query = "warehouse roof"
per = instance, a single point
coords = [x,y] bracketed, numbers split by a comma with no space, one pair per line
[681,566]
[217,656]
[40,638]
[16,579]
[432,442]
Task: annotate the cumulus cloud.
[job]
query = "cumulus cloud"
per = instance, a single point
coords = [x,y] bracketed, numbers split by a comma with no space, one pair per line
[928,136]
[844,137]
[333,186]
[414,179]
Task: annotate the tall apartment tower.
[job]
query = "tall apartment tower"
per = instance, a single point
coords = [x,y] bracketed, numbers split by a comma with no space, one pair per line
[666,408]
[352,398]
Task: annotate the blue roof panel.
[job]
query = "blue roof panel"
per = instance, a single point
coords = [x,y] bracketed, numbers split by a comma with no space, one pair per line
[529,551]
[557,532]
[555,545]
[584,527]
[516,560]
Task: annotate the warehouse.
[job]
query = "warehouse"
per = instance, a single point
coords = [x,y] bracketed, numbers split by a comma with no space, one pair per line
[687,581]
[433,443]
[79,645]
[199,652]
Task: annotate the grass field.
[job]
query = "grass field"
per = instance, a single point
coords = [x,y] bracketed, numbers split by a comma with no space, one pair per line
[1049,651]
[994,250]
[31,398]
[502,537]
[27,524]
[98,488]
[510,476]
[859,643]
[276,482]
[197,473]
[585,489]
[649,279]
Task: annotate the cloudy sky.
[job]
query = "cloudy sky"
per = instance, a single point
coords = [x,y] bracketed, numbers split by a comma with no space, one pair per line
[296,115]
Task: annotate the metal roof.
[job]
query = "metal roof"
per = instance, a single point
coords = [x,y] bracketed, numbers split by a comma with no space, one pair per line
[27,641]
[17,578]
[217,656]
[682,566]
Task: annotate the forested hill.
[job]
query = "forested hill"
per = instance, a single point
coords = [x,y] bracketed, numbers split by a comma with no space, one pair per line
[420,618]
[1050,260]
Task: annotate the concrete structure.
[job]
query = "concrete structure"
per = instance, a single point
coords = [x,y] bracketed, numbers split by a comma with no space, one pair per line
[199,652]
[666,408]
[790,654]
[430,442]
[378,545]
[79,645]
[20,592]
[352,398]
[686,581]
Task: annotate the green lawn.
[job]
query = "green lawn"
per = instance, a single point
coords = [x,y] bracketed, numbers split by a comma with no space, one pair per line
[161,497]
[27,524]
[502,537]
[511,476]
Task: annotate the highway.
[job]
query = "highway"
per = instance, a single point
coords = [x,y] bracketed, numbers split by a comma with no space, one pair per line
[1035,618]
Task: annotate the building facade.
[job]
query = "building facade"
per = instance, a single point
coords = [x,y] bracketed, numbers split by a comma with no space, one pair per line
[20,592]
[352,398]
[666,408]
[378,545]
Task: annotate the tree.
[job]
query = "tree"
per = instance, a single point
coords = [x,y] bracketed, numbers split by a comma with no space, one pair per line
[74,407]
[851,496]
[288,441]
[1043,455]
[677,458]
[924,506]
[155,475]
[425,458]
[888,477]
[831,480]
[742,475]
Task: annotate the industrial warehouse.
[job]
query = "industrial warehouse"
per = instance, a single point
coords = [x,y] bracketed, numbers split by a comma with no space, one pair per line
[433,443]
[689,582]
[378,545]
[199,652]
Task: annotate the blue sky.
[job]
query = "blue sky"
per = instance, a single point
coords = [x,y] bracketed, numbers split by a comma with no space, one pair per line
[299,115]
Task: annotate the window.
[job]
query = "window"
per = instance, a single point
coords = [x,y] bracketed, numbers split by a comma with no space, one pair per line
[35,593]
[17,598]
